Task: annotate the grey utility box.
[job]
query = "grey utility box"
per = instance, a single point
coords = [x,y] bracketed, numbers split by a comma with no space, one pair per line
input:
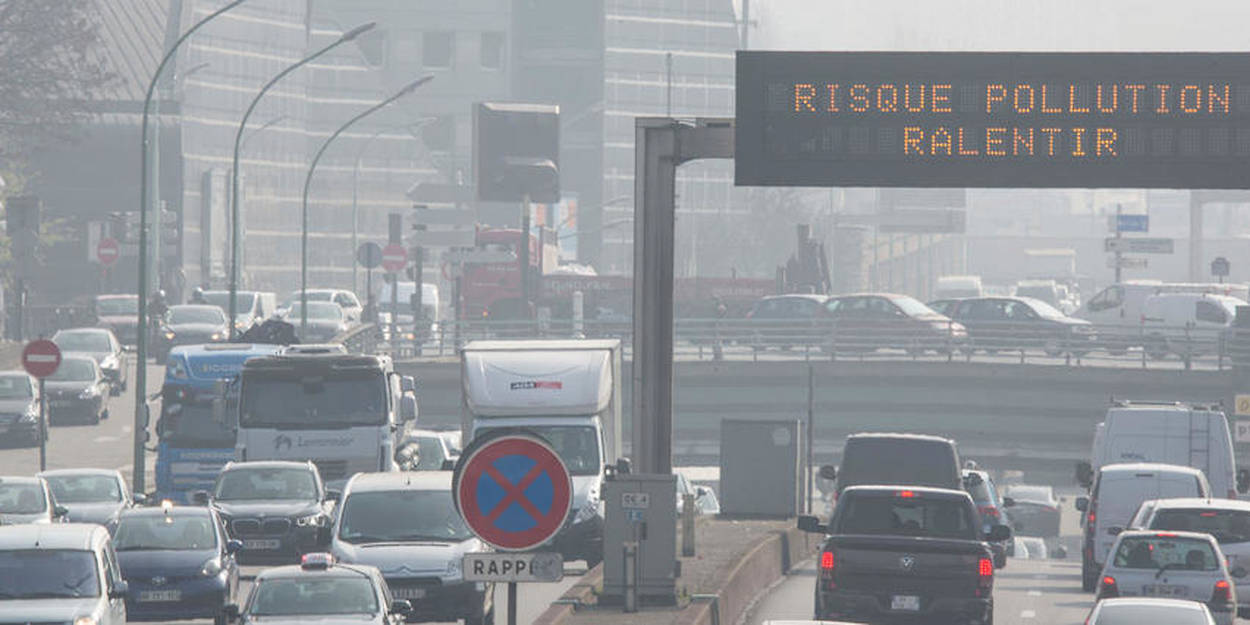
[760,468]
[639,540]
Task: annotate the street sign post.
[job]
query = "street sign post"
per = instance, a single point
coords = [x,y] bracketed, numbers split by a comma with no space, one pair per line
[107,251]
[515,493]
[1138,246]
[1220,268]
[369,255]
[41,358]
[513,567]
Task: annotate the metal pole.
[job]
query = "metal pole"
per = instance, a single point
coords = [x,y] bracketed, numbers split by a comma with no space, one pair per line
[43,428]
[312,168]
[238,144]
[511,603]
[422,326]
[1119,256]
[668,97]
[141,376]
[373,305]
[523,253]
[355,217]
[811,436]
[394,313]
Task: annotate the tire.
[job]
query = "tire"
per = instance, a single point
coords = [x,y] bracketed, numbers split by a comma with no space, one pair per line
[1053,348]
[1156,347]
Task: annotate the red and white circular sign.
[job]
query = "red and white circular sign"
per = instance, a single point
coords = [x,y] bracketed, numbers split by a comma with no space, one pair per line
[394,258]
[107,251]
[41,358]
[514,492]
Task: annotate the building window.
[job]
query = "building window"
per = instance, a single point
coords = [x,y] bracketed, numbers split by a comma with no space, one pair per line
[373,46]
[492,50]
[440,135]
[438,49]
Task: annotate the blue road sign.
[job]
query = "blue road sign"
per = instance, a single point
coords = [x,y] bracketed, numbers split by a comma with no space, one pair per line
[1132,223]
[513,491]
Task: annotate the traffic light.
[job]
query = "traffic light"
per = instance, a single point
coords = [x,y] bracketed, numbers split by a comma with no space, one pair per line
[22,213]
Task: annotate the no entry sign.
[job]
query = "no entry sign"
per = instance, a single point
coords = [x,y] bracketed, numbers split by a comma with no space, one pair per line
[394,258]
[513,491]
[107,251]
[41,358]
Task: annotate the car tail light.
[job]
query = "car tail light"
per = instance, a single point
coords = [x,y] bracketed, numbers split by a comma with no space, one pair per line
[906,493]
[1222,592]
[985,577]
[826,568]
[1092,517]
[1164,535]
[985,568]
[1108,588]
[989,511]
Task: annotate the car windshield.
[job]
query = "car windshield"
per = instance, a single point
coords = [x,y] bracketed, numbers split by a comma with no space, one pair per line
[407,515]
[308,596]
[1036,494]
[1139,614]
[313,296]
[196,314]
[902,515]
[83,341]
[430,454]
[191,425]
[578,445]
[1227,526]
[317,310]
[84,488]
[74,370]
[292,399]
[15,387]
[117,306]
[174,532]
[266,484]
[48,574]
[1163,550]
[22,498]
[911,306]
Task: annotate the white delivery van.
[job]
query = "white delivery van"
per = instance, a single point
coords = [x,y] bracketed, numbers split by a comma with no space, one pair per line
[1186,324]
[1170,432]
[1117,309]
[565,391]
[949,287]
[1119,489]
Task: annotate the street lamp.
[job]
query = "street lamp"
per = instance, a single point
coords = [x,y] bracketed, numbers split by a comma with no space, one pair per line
[303,246]
[141,374]
[238,145]
[412,130]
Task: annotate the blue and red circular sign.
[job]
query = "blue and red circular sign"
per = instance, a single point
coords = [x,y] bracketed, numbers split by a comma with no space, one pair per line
[513,491]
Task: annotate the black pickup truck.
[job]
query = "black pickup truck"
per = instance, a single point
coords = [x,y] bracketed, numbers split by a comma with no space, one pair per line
[905,554]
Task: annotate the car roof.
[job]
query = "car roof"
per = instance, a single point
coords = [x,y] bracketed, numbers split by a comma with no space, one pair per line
[812,296]
[885,489]
[83,471]
[1170,533]
[81,536]
[20,479]
[901,435]
[173,511]
[399,480]
[338,569]
[10,372]
[83,330]
[116,296]
[1197,502]
[871,294]
[1134,467]
[1174,603]
[269,464]
[77,356]
[227,348]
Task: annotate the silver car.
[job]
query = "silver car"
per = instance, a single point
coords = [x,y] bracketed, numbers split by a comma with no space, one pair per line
[1170,565]
[92,495]
[28,500]
[405,524]
[60,574]
[1140,611]
[1228,520]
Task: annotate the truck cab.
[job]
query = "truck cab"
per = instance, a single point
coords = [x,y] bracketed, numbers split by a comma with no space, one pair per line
[345,413]
[565,391]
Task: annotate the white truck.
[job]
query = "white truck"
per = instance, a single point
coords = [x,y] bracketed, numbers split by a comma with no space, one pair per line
[345,413]
[568,392]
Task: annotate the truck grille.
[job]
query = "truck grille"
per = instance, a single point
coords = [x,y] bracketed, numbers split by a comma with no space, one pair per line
[331,469]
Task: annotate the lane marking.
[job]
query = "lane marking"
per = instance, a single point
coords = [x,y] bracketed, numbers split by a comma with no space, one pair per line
[1028,614]
[126,428]
[1035,593]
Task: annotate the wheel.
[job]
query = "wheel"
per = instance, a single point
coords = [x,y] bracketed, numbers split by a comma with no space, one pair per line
[1053,348]
[1156,347]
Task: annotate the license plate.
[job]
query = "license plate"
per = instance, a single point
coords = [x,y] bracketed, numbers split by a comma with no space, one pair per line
[408,593]
[262,543]
[146,596]
[1165,590]
[905,603]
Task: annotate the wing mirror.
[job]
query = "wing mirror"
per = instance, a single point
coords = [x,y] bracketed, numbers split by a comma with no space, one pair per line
[231,611]
[333,495]
[828,472]
[1084,474]
[1238,572]
[973,479]
[998,534]
[1115,531]
[1082,503]
[407,384]
[812,525]
[60,512]
[119,590]
[401,606]
[408,408]
[234,546]
[449,465]
[140,499]
[1008,502]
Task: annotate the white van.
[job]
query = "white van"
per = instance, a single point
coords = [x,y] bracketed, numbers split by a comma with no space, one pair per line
[1171,432]
[1119,489]
[252,307]
[949,287]
[1119,306]
[1186,324]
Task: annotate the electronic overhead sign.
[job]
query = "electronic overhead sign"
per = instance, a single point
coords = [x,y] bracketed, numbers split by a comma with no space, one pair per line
[991,119]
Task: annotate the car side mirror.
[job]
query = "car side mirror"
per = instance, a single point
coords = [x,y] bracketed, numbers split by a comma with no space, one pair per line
[828,472]
[812,525]
[1059,552]
[1008,502]
[140,499]
[59,512]
[1084,474]
[701,491]
[200,497]
[1082,503]
[1238,572]
[998,534]
[230,611]
[449,465]
[234,546]
[333,495]
[407,384]
[119,590]
[1243,481]
[401,606]
[408,408]
[1115,531]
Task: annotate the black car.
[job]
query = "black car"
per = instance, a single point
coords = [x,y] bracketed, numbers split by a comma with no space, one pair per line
[190,324]
[77,392]
[907,554]
[177,562]
[92,495]
[322,591]
[102,345]
[19,409]
[279,510]
[1016,323]
[787,320]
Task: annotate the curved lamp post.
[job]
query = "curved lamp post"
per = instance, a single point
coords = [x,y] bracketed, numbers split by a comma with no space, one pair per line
[303,246]
[141,374]
[238,145]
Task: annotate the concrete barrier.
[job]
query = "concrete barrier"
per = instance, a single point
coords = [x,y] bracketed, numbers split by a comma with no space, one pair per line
[582,593]
[739,587]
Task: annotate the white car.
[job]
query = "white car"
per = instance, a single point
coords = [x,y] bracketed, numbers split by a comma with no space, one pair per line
[1227,520]
[1140,611]
[60,574]
[352,309]
[1170,565]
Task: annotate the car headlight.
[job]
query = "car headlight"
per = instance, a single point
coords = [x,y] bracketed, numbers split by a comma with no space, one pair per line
[217,336]
[88,393]
[453,568]
[85,620]
[588,509]
[312,520]
[211,568]
[169,334]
